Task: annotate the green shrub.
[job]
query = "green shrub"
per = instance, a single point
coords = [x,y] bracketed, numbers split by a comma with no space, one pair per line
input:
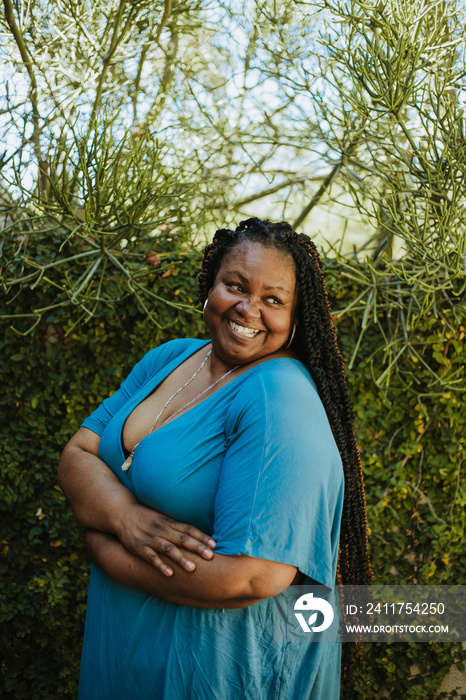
[412,440]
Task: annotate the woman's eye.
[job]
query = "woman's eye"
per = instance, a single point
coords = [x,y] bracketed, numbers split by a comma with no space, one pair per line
[236,286]
[274,300]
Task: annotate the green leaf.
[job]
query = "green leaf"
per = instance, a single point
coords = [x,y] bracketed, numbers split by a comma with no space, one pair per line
[37,530]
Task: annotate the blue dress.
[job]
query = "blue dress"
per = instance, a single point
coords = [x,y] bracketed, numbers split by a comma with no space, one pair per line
[255,465]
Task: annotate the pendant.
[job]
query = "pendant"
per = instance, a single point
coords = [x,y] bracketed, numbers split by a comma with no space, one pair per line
[127,463]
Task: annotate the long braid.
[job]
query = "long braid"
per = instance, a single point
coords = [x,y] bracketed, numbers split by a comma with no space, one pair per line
[315,343]
[317,347]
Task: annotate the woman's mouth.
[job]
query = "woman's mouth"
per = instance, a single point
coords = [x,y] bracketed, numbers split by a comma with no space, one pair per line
[244,330]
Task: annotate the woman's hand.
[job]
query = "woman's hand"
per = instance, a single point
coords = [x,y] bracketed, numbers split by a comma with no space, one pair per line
[151,535]
[101,502]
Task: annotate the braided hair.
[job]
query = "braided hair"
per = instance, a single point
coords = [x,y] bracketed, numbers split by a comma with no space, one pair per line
[315,343]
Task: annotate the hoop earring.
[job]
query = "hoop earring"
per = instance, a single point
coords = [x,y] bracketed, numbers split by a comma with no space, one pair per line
[292,335]
[203,310]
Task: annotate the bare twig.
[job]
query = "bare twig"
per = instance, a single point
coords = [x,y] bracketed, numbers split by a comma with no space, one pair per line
[273,190]
[117,37]
[166,12]
[319,194]
[33,93]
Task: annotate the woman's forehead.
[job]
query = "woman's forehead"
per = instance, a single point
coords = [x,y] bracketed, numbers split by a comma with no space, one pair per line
[252,251]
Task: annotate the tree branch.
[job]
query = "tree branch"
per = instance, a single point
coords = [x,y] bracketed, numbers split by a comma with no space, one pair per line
[167,9]
[166,12]
[272,190]
[36,131]
[170,55]
[318,195]
[116,38]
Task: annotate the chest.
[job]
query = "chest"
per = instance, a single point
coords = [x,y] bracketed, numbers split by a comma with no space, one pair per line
[175,469]
[178,393]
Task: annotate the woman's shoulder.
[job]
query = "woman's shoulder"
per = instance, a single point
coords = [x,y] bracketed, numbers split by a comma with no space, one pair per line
[283,376]
[280,398]
[281,384]
[285,367]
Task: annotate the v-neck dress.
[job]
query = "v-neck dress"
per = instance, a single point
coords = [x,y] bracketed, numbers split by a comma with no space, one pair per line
[256,466]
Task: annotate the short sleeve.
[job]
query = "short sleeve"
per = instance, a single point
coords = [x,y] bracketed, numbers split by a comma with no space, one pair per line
[150,364]
[280,491]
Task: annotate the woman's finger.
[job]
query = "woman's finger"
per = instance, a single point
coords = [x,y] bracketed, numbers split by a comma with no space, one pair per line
[193,539]
[158,563]
[171,551]
[193,545]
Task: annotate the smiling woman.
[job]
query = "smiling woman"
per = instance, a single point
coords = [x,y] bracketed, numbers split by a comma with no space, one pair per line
[220,470]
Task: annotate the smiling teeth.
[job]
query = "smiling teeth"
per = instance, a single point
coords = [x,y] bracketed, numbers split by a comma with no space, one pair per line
[247,332]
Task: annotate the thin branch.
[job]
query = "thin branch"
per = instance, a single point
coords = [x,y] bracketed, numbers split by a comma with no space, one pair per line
[166,12]
[36,118]
[272,190]
[115,40]
[167,75]
[319,194]
[167,9]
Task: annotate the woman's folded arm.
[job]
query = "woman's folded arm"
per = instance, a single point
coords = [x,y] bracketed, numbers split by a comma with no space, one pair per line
[96,495]
[101,502]
[223,582]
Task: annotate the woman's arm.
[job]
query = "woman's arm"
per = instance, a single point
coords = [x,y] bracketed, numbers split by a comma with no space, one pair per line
[223,582]
[100,501]
[96,495]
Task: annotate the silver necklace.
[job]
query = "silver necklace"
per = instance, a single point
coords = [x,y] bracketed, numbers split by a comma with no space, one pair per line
[127,463]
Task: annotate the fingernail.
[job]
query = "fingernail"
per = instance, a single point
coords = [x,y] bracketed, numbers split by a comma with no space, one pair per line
[168,571]
[208,553]
[190,565]
[212,543]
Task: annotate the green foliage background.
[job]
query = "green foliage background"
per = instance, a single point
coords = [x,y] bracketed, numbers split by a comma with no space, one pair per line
[127,135]
[411,435]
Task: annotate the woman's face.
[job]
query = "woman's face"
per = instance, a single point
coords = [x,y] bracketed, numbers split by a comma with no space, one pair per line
[250,308]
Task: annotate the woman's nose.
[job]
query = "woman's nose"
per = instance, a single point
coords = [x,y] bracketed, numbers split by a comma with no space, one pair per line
[248,307]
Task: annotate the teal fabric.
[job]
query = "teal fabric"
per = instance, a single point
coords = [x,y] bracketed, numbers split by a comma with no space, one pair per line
[255,465]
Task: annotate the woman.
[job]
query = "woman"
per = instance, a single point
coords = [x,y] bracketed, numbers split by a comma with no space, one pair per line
[215,474]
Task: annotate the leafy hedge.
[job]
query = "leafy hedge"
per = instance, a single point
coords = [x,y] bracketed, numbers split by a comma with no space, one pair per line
[411,438]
